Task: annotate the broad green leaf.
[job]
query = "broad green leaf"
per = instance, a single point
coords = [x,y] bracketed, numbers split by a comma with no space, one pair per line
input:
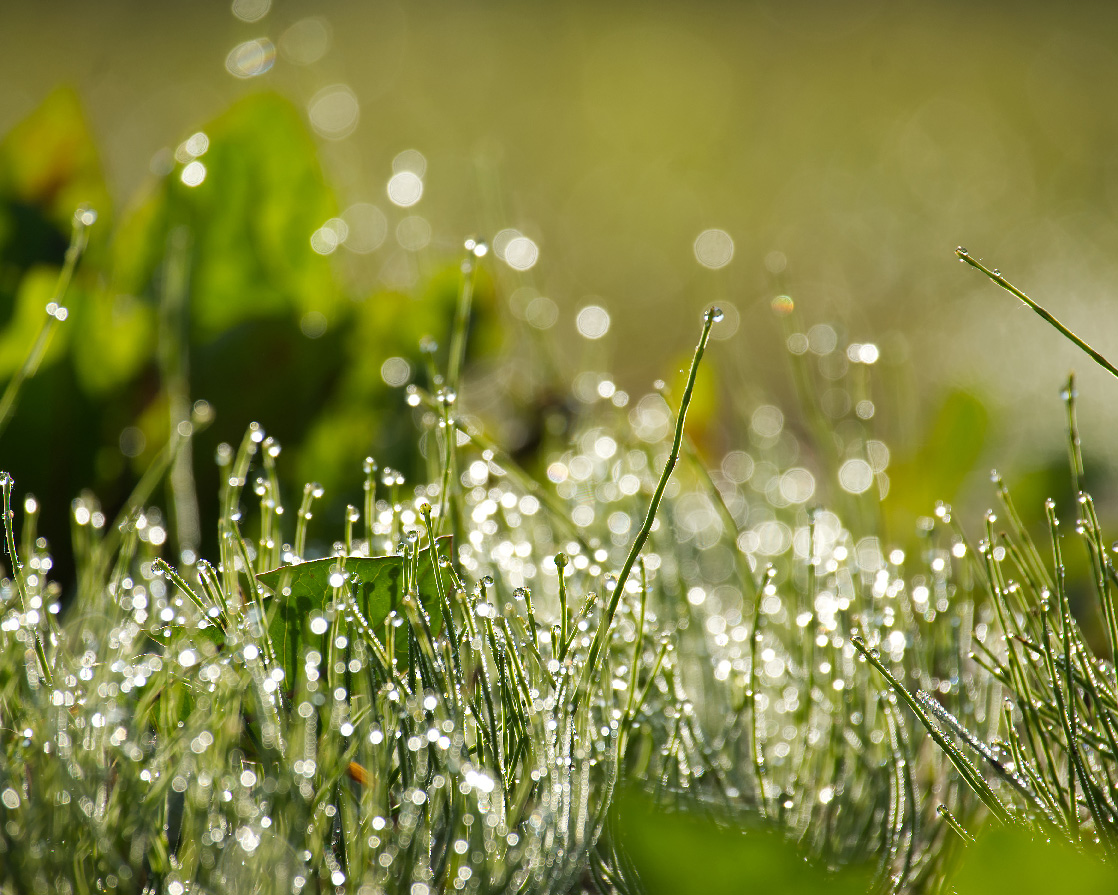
[688,853]
[301,592]
[250,221]
[1006,860]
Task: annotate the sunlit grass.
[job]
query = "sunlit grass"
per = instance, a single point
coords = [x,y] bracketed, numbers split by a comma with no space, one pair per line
[651,618]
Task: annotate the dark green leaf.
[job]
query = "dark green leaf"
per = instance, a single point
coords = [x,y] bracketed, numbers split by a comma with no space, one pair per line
[302,591]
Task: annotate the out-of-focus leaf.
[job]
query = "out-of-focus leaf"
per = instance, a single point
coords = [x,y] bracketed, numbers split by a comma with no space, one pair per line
[389,324]
[392,323]
[946,457]
[377,579]
[338,440]
[260,198]
[705,412]
[36,289]
[117,337]
[686,853]
[48,167]
[1005,860]
[50,161]
[140,242]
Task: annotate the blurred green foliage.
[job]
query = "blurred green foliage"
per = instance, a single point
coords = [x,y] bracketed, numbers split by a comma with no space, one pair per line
[691,852]
[695,851]
[939,465]
[1009,860]
[250,222]
[238,245]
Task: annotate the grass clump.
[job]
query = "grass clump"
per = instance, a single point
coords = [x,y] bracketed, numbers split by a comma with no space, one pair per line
[1054,765]
[465,689]
[471,737]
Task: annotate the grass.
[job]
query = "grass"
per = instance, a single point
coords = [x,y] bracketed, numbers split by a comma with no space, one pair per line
[642,624]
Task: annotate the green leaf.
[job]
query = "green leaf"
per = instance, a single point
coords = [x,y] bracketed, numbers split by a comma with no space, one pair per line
[115,339]
[1009,860]
[688,853]
[250,221]
[949,452]
[49,162]
[302,591]
[35,290]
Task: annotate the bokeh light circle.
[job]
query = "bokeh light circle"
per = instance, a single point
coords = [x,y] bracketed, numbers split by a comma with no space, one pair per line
[405,188]
[855,476]
[714,248]
[334,112]
[593,321]
[521,253]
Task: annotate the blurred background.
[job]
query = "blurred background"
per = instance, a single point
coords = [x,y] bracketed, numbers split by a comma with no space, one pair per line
[310,171]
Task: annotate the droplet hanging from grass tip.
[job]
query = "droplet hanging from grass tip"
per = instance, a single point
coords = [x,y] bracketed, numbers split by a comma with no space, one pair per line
[84,216]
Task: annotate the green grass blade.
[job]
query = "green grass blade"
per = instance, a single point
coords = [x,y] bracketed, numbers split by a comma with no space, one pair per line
[964,255]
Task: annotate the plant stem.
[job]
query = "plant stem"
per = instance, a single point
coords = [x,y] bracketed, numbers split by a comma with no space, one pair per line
[56,313]
[712,317]
[964,255]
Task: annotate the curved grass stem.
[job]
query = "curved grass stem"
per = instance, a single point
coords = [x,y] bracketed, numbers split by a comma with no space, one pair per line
[590,669]
[56,313]
[1041,312]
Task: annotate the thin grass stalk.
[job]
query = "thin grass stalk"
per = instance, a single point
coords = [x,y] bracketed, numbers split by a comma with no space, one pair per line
[962,765]
[1040,311]
[712,316]
[56,313]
